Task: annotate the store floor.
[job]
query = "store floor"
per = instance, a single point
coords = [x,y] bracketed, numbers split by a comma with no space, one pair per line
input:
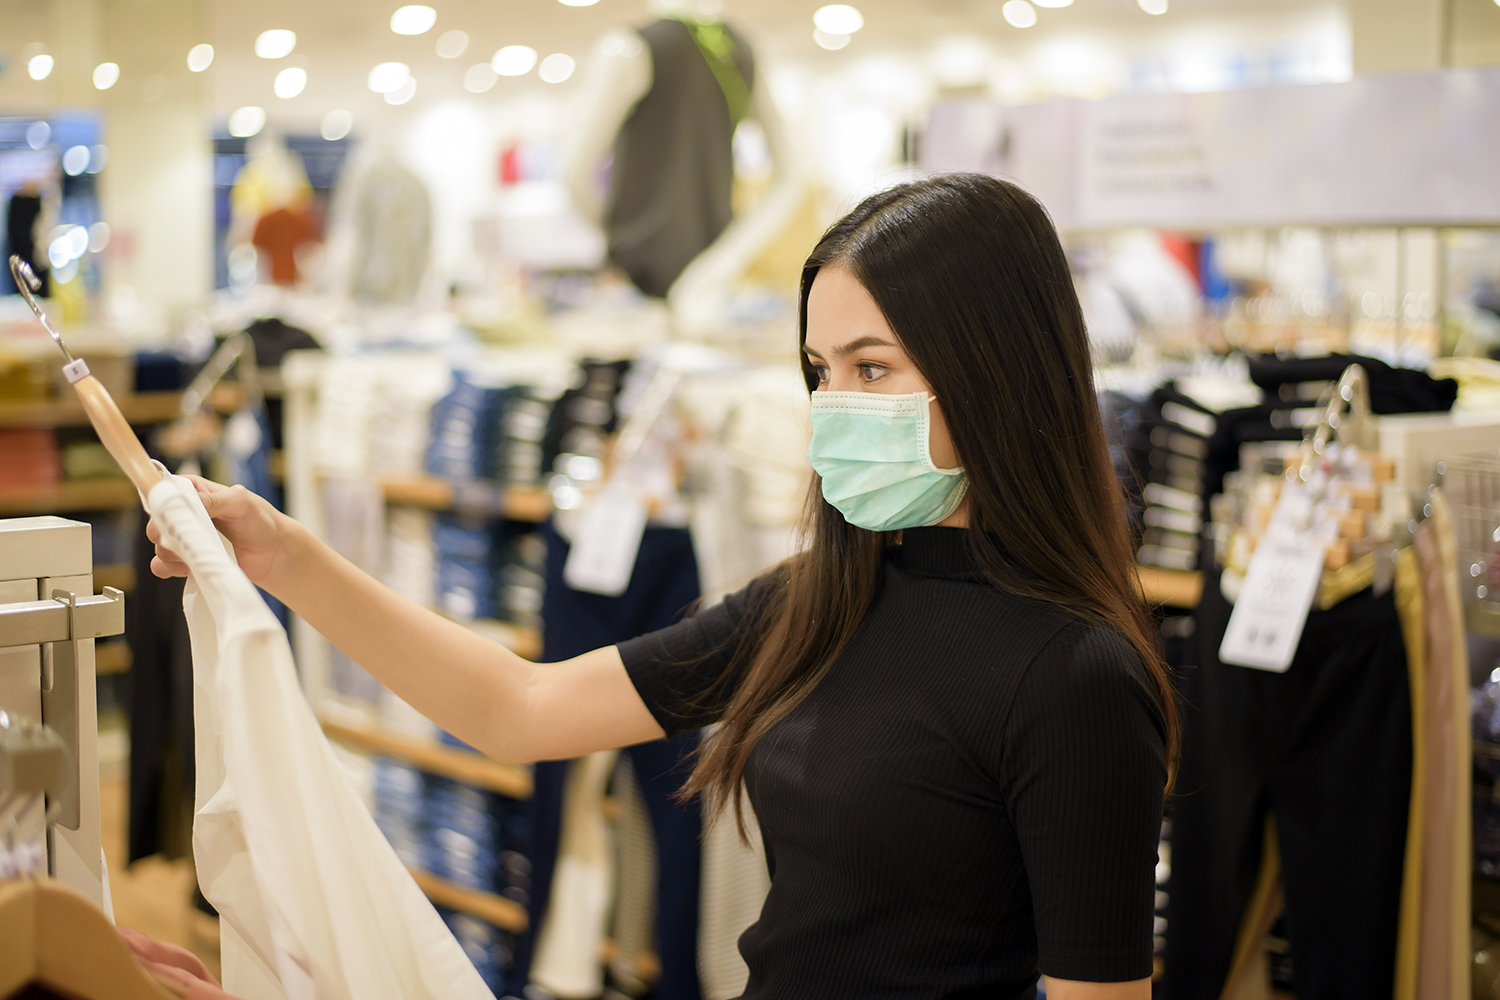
[153,896]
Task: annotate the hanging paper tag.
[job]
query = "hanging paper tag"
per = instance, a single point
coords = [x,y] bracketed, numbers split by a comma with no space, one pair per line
[1272,608]
[606,542]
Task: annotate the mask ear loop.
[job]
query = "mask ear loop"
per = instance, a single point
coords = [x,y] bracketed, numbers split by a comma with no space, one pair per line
[926,438]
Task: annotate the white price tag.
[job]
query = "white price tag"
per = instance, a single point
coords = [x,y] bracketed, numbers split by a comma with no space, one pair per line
[606,543]
[1271,612]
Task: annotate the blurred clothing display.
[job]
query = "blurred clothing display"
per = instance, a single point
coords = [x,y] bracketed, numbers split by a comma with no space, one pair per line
[1327,748]
[22,215]
[392,223]
[279,235]
[29,458]
[663,585]
[674,164]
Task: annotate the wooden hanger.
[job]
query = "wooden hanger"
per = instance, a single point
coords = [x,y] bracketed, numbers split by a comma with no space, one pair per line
[53,936]
[111,426]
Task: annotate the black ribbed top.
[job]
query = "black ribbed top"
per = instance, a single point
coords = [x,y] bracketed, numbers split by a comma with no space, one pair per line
[972,795]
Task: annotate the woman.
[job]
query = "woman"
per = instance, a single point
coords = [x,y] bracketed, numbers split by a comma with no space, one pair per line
[948,711]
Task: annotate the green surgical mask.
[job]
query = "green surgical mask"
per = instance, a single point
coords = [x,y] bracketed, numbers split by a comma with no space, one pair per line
[873,454]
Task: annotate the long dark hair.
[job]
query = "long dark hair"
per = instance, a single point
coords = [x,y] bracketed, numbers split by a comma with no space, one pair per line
[970,274]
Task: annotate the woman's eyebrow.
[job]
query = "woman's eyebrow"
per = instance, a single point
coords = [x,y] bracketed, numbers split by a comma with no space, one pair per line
[851,347]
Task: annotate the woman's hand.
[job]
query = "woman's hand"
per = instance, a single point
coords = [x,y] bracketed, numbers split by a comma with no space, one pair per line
[257,531]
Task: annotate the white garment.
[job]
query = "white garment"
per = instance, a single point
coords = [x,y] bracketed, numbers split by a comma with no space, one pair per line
[313,902]
[569,943]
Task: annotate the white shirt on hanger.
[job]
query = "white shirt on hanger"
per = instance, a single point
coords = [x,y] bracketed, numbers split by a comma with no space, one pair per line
[313,903]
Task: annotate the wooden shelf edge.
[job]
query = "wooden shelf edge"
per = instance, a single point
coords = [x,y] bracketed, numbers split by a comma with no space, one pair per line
[136,407]
[432,493]
[426,755]
[503,913]
[519,639]
[82,495]
[120,576]
[1173,588]
[112,657]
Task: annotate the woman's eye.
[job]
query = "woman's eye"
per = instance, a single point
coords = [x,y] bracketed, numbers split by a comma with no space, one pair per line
[821,373]
[870,372]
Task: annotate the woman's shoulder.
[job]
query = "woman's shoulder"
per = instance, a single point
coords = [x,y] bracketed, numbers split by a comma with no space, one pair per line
[1085,658]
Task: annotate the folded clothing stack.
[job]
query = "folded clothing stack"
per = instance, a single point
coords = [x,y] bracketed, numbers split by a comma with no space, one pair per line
[462,442]
[465,553]
[520,425]
[491,949]
[522,562]
[400,800]
[29,458]
[484,818]
[410,566]
[488,569]
[463,834]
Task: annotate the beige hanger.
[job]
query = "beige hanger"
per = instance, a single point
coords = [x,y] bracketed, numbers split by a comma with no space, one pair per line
[53,936]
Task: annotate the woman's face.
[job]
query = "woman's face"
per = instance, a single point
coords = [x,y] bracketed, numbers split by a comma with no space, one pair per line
[853,349]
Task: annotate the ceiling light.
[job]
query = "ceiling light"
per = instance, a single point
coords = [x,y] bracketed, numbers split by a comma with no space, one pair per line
[389,77]
[98,237]
[451,44]
[75,161]
[514,60]
[828,41]
[336,125]
[275,43]
[1160,6]
[106,75]
[1022,14]
[38,134]
[590,3]
[556,68]
[1053,3]
[98,157]
[290,81]
[479,78]
[838,19]
[245,122]
[200,57]
[414,19]
[39,66]
[403,93]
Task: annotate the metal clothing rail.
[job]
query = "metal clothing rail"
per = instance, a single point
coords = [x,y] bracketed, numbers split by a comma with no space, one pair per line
[64,618]
[59,625]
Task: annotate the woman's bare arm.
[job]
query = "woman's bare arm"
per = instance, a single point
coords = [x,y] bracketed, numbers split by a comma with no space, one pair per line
[481,692]
[1073,989]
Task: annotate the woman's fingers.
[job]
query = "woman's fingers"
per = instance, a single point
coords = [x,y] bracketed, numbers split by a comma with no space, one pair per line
[167,566]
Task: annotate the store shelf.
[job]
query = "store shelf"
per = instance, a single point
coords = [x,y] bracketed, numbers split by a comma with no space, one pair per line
[647,965]
[112,658]
[85,494]
[473,496]
[524,642]
[428,755]
[137,407]
[1173,588]
[120,576]
[503,913]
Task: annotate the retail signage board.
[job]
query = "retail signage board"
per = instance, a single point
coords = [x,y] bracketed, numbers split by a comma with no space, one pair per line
[1034,145]
[1398,149]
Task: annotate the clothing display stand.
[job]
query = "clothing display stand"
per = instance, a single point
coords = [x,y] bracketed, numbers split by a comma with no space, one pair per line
[48,625]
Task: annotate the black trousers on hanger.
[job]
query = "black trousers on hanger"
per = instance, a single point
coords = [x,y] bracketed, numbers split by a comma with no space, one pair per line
[663,586]
[1326,747]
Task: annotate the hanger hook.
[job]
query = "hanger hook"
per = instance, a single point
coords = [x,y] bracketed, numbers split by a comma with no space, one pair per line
[27,282]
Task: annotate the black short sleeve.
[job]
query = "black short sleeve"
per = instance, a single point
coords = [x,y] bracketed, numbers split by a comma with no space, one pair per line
[681,671]
[1085,777]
